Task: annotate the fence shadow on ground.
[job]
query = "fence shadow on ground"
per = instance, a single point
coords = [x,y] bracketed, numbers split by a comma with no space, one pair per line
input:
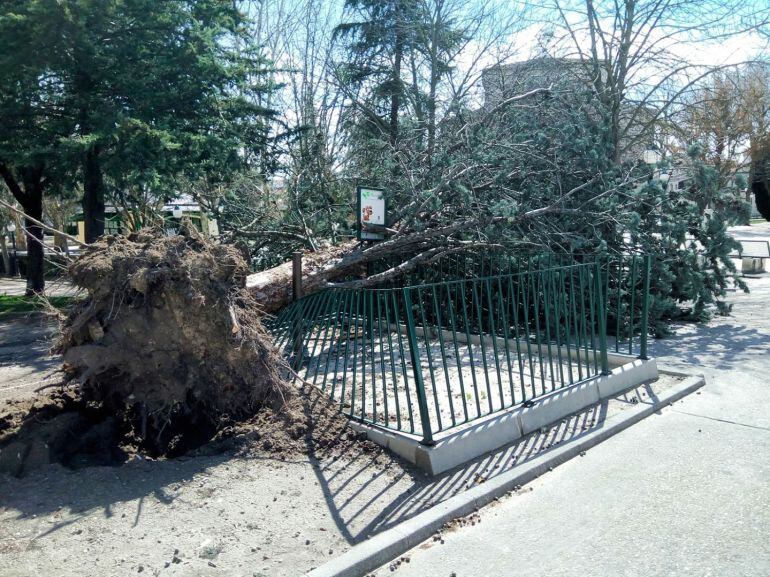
[361,514]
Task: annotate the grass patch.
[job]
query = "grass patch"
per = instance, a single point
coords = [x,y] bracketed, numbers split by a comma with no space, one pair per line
[10,304]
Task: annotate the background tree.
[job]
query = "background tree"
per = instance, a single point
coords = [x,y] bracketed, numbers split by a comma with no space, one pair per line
[643,54]
[124,97]
[727,116]
[34,119]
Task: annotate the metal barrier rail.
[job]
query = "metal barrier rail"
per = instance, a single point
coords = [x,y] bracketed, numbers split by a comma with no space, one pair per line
[427,358]
[762,252]
[625,277]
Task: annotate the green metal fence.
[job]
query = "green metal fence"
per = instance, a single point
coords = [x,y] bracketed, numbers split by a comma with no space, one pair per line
[429,357]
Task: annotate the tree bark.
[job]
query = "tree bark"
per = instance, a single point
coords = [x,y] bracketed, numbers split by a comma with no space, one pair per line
[26,186]
[93,196]
[273,287]
[33,207]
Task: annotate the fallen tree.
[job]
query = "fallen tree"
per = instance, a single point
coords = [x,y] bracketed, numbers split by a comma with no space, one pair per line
[325,267]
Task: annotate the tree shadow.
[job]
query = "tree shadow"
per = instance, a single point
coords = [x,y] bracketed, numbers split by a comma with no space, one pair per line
[26,361]
[726,344]
[58,491]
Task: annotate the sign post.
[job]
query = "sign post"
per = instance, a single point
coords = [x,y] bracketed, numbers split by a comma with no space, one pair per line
[371,212]
[296,286]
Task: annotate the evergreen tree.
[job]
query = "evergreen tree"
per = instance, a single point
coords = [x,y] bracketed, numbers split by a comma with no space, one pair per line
[376,45]
[125,95]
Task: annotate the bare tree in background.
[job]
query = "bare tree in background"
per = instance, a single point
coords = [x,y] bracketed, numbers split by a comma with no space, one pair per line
[640,54]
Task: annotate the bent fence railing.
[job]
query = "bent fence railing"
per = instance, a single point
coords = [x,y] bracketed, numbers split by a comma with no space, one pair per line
[427,358]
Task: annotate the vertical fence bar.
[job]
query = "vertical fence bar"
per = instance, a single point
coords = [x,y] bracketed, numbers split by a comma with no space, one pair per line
[547,308]
[557,323]
[414,351]
[514,302]
[381,344]
[308,325]
[331,303]
[525,293]
[645,308]
[602,319]
[403,360]
[354,321]
[493,330]
[370,333]
[471,360]
[338,346]
[582,273]
[389,332]
[453,325]
[575,322]
[535,291]
[476,305]
[426,337]
[567,320]
[592,322]
[506,336]
[440,331]
[631,311]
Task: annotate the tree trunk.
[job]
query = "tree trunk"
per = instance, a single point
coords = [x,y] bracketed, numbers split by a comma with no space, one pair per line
[33,207]
[272,288]
[26,186]
[93,195]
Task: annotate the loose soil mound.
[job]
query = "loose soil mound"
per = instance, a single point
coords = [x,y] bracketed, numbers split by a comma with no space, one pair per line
[167,353]
[168,340]
[62,427]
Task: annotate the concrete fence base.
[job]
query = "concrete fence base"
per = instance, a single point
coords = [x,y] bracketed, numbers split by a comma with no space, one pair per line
[494,431]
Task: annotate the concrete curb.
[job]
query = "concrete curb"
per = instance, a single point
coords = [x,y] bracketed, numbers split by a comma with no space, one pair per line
[389,544]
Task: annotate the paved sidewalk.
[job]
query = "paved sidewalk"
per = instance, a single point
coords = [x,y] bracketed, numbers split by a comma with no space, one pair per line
[686,492]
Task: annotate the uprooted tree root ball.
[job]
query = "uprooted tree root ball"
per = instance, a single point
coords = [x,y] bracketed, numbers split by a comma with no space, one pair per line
[169,342]
[167,355]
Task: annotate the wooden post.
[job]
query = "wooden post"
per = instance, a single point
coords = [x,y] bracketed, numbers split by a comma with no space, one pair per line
[296,275]
[296,286]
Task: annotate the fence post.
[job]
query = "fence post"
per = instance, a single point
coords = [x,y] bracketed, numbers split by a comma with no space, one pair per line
[296,293]
[419,385]
[645,308]
[602,314]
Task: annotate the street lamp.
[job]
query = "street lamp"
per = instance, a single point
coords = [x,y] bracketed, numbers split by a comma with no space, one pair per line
[11,228]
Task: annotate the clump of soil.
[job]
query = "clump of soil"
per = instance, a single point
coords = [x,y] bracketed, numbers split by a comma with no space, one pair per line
[63,427]
[169,341]
[308,424]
